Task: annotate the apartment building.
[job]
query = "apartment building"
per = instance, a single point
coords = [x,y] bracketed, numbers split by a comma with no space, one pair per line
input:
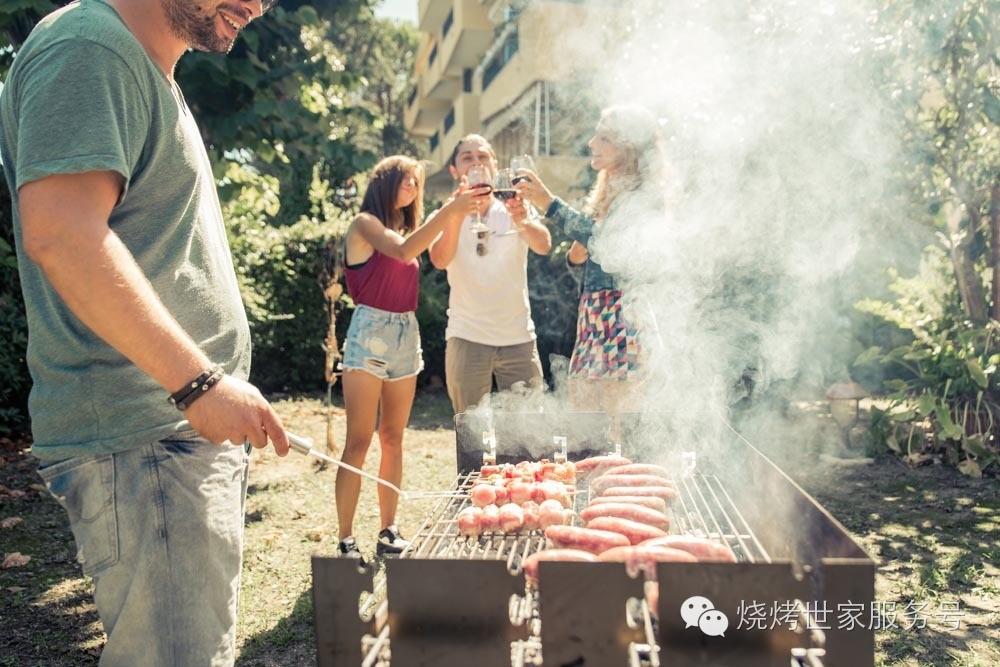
[513,71]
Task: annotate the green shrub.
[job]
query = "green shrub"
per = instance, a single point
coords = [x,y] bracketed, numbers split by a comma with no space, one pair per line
[14,379]
[279,272]
[943,386]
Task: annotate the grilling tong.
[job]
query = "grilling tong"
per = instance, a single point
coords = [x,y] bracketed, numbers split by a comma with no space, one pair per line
[305,446]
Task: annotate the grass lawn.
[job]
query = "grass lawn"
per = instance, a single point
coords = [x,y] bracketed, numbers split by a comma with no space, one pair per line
[934,533]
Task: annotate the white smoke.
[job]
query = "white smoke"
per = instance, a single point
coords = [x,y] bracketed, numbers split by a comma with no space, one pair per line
[779,150]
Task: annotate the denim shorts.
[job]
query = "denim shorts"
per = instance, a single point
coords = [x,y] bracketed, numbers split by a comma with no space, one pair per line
[384,344]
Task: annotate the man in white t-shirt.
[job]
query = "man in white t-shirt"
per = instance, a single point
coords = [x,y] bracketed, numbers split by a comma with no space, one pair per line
[490,332]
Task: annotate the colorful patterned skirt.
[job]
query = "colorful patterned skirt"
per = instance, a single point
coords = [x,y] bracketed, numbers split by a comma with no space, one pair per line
[607,346]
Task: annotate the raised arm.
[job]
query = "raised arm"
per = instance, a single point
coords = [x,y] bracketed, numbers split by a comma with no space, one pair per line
[577,226]
[537,235]
[462,203]
[64,219]
[404,248]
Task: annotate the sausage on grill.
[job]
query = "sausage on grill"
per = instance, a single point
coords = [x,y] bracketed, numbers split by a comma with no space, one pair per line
[553,490]
[597,463]
[511,518]
[644,559]
[490,520]
[551,513]
[612,478]
[667,493]
[640,469]
[503,495]
[634,531]
[520,491]
[483,495]
[530,515]
[587,539]
[701,548]
[469,521]
[576,555]
[644,515]
[652,502]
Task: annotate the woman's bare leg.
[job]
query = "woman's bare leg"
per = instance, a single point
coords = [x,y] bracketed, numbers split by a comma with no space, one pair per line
[361,398]
[397,401]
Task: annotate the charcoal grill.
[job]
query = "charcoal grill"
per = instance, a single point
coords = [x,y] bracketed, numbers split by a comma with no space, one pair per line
[452,601]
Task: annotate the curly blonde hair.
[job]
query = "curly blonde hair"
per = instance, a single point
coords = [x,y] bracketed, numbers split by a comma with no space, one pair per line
[634,130]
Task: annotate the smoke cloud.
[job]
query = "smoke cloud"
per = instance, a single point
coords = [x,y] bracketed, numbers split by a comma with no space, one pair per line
[779,152]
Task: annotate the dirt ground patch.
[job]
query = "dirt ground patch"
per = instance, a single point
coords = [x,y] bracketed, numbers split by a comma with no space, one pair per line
[934,533]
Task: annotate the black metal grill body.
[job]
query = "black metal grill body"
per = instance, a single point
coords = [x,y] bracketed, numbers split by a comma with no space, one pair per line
[452,601]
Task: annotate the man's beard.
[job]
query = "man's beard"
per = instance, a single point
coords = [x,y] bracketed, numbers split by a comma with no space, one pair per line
[190,22]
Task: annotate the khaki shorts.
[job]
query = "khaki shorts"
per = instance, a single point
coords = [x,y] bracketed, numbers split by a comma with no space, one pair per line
[470,369]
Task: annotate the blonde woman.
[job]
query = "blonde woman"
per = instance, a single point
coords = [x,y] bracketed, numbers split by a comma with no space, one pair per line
[382,355]
[606,357]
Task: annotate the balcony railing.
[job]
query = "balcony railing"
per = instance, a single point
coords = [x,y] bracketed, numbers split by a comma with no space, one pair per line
[500,59]
[448,21]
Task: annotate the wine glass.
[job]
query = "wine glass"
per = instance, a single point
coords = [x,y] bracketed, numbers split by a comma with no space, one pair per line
[503,185]
[519,162]
[479,176]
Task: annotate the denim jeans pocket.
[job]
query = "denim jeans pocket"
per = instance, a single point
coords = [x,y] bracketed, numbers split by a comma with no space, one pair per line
[182,442]
[85,487]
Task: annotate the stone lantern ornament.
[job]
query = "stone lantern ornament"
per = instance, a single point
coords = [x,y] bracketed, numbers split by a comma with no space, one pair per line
[845,407]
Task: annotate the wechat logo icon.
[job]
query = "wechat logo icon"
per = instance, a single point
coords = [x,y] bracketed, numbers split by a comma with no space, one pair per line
[698,611]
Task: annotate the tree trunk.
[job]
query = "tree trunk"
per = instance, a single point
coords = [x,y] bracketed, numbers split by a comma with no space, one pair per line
[970,286]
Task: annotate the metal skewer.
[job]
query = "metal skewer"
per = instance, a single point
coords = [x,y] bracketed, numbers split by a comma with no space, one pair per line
[305,446]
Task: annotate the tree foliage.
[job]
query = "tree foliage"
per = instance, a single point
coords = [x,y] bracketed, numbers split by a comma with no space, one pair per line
[943,64]
[945,71]
[310,97]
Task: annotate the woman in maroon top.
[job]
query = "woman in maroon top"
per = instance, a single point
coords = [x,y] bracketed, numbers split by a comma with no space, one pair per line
[382,351]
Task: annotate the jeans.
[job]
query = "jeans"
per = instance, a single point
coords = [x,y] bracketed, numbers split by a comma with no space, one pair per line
[159,528]
[384,344]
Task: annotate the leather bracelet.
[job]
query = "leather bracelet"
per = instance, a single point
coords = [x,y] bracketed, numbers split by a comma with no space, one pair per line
[196,388]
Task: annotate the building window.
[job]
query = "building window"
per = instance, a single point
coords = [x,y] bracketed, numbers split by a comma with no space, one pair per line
[412,98]
[433,56]
[448,20]
[449,120]
[502,57]
[467,80]
[434,140]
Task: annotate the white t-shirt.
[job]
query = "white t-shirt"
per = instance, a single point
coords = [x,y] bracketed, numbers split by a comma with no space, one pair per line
[488,303]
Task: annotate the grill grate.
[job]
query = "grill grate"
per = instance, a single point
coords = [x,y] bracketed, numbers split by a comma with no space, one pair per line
[704,508]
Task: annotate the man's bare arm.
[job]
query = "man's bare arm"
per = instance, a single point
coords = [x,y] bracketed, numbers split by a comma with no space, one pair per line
[64,219]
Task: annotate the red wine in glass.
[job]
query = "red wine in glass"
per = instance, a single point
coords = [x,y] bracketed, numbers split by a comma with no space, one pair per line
[503,194]
[518,179]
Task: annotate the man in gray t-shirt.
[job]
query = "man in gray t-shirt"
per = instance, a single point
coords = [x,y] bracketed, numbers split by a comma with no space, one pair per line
[132,299]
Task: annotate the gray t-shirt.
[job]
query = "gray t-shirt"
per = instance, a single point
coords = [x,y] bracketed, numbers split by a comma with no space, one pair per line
[83,95]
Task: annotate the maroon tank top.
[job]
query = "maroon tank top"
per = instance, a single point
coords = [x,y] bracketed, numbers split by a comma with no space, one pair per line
[385,283]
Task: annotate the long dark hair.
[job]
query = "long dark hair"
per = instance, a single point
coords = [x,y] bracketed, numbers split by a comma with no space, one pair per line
[383,190]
